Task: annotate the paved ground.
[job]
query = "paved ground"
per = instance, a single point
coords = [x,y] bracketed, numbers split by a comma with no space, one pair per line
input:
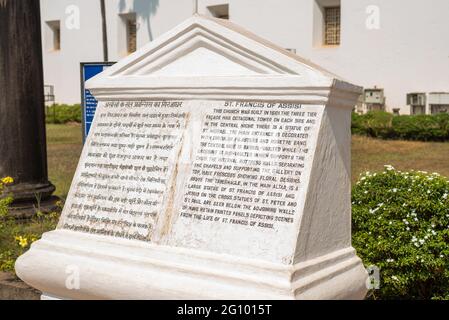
[13,289]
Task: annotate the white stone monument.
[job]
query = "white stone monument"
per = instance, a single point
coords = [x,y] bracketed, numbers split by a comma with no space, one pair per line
[217,167]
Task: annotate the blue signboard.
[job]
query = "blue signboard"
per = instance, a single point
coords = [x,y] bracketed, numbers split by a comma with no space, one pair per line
[88,102]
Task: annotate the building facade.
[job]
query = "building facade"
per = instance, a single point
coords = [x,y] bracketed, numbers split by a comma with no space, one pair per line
[393,48]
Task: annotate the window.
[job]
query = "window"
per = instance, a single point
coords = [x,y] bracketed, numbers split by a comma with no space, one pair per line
[332,26]
[127,34]
[416,99]
[219,11]
[326,23]
[54,35]
[131,34]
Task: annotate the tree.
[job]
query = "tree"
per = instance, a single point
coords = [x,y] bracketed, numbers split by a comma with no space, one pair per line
[105,31]
[23,152]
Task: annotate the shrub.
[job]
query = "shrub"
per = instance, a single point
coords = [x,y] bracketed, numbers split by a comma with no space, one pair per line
[5,201]
[401,225]
[422,127]
[62,113]
[379,124]
[16,237]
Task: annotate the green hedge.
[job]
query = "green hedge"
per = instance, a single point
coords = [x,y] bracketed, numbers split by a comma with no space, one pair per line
[63,113]
[384,125]
[400,224]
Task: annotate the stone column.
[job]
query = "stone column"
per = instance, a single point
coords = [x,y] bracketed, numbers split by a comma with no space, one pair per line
[23,153]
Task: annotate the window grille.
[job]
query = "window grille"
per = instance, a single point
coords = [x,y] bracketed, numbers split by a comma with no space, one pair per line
[332,26]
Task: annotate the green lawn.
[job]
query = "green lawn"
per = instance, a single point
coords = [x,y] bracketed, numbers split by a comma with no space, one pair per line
[372,154]
[64,144]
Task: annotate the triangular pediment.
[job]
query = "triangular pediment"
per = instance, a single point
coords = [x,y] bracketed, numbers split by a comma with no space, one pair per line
[205,60]
[205,52]
[198,50]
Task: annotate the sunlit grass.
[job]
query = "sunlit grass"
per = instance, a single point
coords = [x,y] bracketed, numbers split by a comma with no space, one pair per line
[372,154]
[64,144]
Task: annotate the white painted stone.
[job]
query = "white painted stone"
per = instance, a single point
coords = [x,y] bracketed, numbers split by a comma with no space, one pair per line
[217,167]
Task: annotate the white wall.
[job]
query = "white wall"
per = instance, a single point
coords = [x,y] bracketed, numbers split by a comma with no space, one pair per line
[408,53]
[154,17]
[62,68]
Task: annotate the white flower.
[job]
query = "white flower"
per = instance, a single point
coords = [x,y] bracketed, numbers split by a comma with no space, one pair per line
[389,167]
[395,190]
[408,229]
[395,278]
[445,196]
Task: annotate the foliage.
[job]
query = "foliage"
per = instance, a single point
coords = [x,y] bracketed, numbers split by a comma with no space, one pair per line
[5,201]
[384,125]
[63,113]
[17,236]
[401,225]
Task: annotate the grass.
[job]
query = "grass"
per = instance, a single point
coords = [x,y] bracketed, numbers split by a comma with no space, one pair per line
[29,231]
[64,144]
[370,154]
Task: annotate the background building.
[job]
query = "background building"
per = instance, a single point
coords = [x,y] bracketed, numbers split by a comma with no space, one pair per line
[391,47]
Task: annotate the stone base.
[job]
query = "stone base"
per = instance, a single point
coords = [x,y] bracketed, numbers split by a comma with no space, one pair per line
[24,192]
[27,210]
[109,268]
